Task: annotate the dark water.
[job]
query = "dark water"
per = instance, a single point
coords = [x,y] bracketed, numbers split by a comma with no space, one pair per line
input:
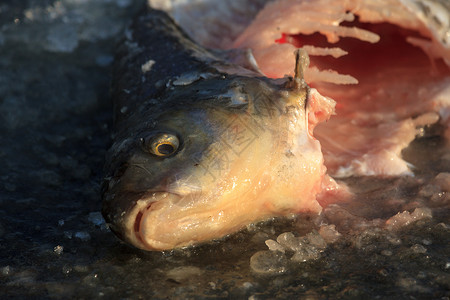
[55,117]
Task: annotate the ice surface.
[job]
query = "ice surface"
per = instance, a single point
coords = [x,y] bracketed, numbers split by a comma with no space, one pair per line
[184,273]
[60,26]
[55,116]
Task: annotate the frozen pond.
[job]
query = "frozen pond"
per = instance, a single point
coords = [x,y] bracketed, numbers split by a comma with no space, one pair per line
[56,115]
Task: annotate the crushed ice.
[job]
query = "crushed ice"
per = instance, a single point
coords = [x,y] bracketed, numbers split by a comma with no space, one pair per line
[405,218]
[289,247]
[58,249]
[96,218]
[268,262]
[367,235]
[82,235]
[5,270]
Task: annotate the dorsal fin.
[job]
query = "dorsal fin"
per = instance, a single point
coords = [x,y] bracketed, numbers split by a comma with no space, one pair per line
[296,86]
[301,64]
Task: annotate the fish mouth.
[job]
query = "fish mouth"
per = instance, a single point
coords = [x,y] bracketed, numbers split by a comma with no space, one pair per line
[137,224]
[140,225]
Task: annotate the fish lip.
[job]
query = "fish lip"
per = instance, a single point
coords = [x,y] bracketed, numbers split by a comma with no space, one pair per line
[137,226]
[139,213]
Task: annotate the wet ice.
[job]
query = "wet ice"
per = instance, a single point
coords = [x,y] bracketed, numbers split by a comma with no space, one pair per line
[55,114]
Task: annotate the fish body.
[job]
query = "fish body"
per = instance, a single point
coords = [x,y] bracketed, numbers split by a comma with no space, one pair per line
[203,147]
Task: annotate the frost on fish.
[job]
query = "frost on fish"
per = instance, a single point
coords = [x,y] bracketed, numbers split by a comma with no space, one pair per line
[386,65]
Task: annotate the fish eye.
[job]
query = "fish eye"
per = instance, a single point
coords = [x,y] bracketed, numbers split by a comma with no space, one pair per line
[163,144]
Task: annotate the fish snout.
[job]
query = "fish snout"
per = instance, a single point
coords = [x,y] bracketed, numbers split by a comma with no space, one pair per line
[136,223]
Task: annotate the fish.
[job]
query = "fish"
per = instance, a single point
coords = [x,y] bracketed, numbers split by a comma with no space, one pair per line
[203,147]
[216,132]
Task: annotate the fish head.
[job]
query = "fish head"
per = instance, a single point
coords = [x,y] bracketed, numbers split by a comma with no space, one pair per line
[216,155]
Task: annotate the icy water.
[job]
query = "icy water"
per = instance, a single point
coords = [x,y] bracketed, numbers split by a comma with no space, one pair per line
[55,114]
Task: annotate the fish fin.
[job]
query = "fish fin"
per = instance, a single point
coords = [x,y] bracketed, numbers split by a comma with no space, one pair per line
[298,83]
[240,59]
